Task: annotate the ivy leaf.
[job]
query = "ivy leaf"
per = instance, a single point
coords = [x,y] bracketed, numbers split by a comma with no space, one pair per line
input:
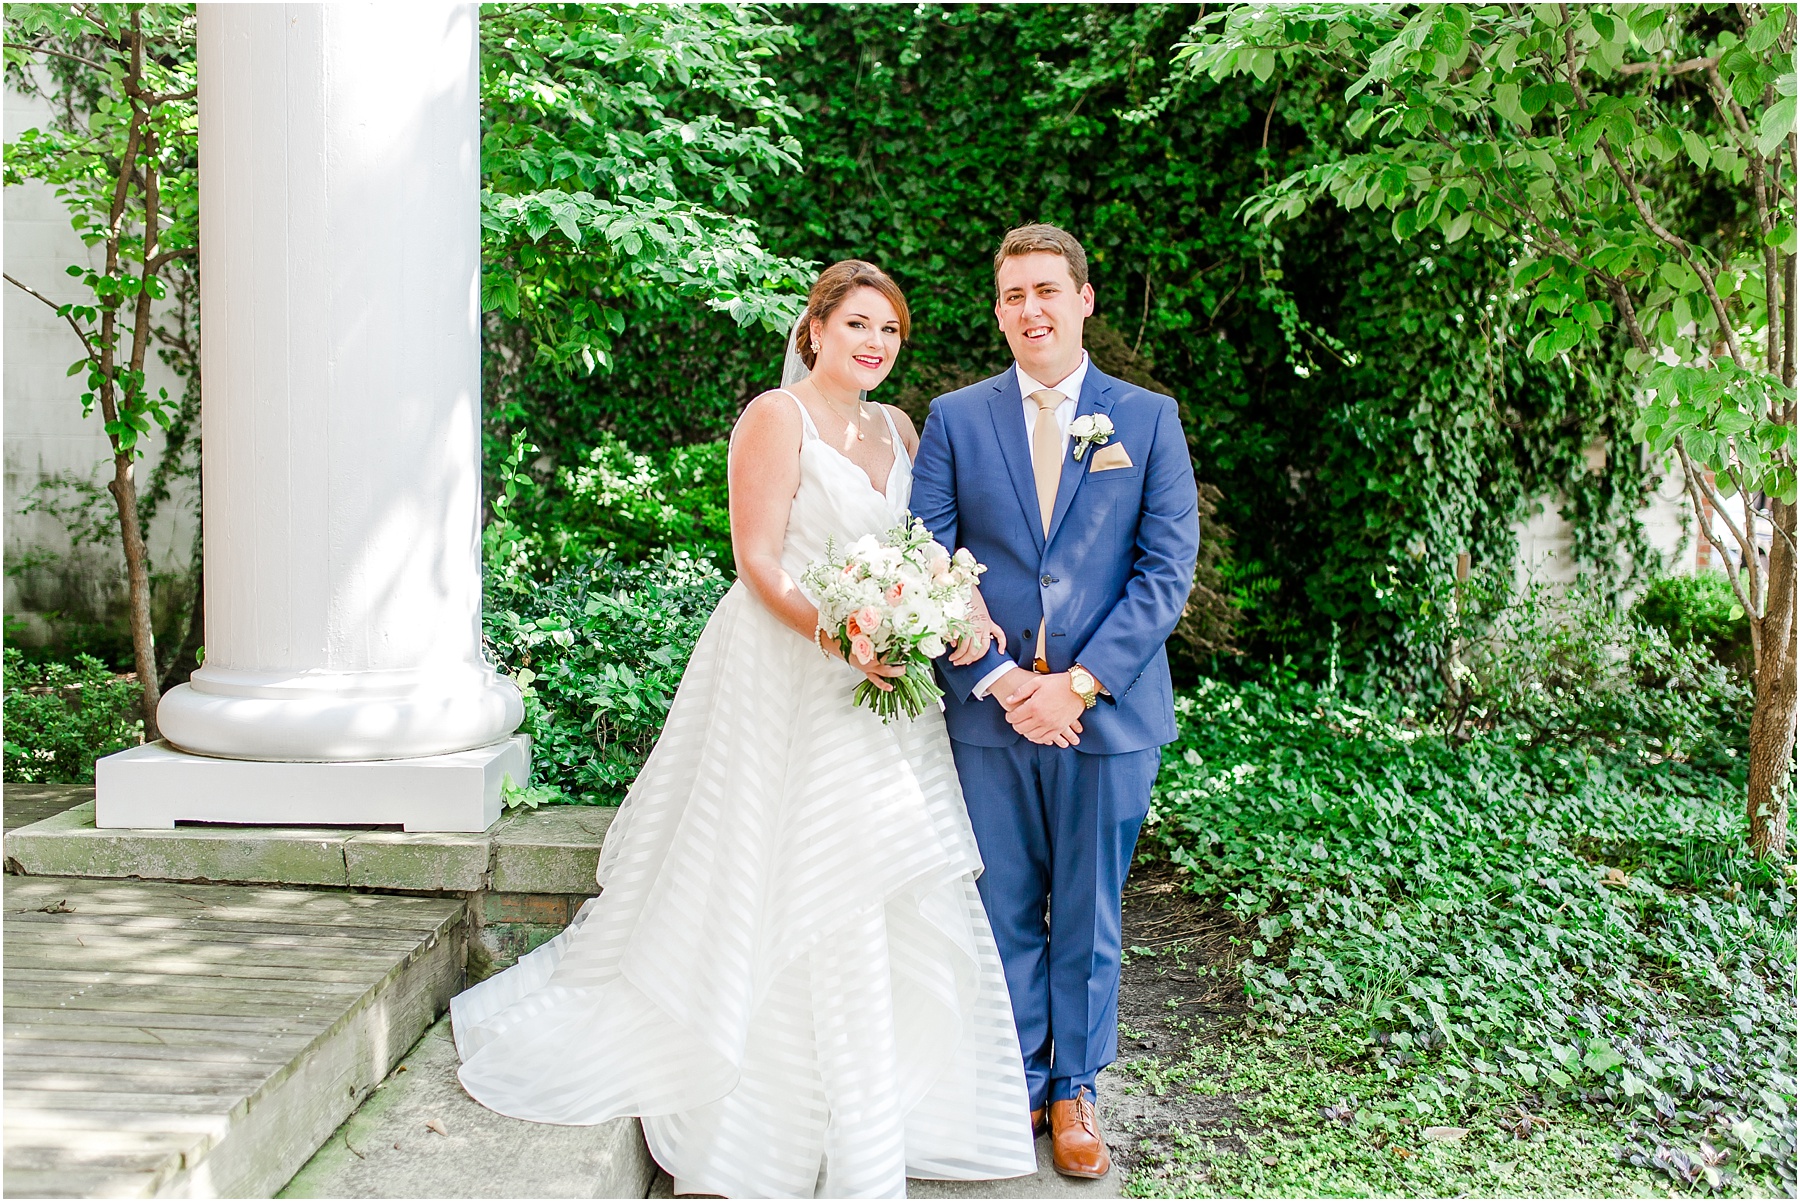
[1601,1058]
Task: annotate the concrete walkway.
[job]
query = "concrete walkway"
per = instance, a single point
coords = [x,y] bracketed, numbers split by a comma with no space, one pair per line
[390,1148]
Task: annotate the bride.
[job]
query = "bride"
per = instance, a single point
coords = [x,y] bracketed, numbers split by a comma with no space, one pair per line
[788,973]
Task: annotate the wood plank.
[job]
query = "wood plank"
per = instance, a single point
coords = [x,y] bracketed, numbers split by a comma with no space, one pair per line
[131,1151]
[314,1008]
[216,1080]
[298,904]
[29,1109]
[163,1022]
[97,1183]
[224,974]
[366,925]
[123,983]
[286,934]
[140,1039]
[180,1062]
[164,1038]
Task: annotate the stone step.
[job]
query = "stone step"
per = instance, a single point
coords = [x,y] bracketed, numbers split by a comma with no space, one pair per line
[523,878]
[388,1150]
[549,851]
[192,1040]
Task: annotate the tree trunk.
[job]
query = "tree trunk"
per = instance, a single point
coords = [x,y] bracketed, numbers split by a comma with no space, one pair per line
[1772,724]
[137,570]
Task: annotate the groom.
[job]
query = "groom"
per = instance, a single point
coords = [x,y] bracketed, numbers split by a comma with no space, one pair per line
[1077,492]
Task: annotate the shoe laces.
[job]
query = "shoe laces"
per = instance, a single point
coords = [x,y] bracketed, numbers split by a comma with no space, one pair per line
[1085,1111]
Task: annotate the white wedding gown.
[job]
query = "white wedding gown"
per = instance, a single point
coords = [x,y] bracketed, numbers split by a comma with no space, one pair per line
[788,972]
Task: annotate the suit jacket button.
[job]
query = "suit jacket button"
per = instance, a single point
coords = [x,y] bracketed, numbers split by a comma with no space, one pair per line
[1046,581]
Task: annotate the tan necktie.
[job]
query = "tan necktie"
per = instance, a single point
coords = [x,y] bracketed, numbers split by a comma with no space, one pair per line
[1046,465]
[1046,451]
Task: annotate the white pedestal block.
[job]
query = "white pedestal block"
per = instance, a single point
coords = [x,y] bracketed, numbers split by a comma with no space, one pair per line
[155,786]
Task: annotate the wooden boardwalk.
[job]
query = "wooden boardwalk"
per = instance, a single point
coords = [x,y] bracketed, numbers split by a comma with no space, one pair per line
[203,1040]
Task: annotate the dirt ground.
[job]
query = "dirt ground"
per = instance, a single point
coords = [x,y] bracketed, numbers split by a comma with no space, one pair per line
[1180,984]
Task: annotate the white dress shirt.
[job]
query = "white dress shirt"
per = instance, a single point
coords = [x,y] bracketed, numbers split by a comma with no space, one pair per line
[1070,387]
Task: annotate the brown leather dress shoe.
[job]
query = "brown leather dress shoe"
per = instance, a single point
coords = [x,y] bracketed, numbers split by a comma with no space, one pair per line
[1075,1144]
[1038,1125]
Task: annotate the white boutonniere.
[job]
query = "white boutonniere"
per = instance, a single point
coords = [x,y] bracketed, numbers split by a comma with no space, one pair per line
[1090,431]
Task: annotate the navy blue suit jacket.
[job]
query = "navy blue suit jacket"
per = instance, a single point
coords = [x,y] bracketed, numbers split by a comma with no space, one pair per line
[1111,579]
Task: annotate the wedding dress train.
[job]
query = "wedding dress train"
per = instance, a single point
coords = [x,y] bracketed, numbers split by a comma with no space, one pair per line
[788,972]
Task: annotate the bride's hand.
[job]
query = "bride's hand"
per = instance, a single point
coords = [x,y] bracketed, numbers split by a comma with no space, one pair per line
[877,672]
[968,650]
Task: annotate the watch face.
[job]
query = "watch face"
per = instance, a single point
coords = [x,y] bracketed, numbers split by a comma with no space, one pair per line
[1081,679]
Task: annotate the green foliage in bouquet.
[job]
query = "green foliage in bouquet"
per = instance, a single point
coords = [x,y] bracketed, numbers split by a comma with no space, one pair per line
[61,717]
[900,599]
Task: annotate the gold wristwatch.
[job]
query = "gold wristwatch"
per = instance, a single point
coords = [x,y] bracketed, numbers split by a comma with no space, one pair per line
[1084,685]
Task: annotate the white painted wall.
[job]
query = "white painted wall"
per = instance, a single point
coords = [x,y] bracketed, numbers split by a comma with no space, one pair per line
[45,433]
[1546,536]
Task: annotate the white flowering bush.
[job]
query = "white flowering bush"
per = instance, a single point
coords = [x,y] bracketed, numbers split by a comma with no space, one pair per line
[901,599]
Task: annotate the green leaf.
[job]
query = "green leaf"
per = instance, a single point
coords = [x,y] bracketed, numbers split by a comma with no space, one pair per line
[1506,103]
[1776,124]
[1601,1058]
[1696,149]
[1764,33]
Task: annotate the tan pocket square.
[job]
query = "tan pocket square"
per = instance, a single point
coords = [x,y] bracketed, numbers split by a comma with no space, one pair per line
[1108,458]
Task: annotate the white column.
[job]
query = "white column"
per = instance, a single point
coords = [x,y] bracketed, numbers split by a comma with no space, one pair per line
[340,278]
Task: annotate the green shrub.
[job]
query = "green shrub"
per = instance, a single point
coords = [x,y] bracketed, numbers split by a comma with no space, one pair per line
[1500,917]
[1555,665]
[598,649]
[1702,609]
[631,504]
[61,717]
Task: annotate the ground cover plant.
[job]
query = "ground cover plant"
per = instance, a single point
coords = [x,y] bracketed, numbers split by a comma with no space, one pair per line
[1482,931]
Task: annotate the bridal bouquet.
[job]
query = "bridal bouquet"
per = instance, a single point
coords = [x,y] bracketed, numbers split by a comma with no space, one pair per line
[900,598]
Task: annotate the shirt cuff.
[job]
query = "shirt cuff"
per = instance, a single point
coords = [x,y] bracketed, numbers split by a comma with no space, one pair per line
[991,679]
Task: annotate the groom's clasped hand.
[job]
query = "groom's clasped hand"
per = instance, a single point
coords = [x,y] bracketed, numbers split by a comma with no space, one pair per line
[1041,707]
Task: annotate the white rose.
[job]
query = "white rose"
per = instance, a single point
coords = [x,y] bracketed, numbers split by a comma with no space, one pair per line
[939,562]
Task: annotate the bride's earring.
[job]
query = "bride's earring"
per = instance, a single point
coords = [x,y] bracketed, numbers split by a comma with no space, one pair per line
[815,346]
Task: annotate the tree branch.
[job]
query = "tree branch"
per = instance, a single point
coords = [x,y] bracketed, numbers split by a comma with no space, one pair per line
[1681,68]
[168,256]
[58,53]
[1697,488]
[1680,244]
[58,310]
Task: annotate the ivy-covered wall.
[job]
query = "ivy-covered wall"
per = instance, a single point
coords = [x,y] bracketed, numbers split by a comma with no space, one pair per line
[1362,404]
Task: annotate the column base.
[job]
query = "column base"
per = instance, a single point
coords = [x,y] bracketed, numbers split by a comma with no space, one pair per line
[155,786]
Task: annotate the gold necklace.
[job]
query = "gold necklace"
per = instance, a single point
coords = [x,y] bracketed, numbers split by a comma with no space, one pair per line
[856,421]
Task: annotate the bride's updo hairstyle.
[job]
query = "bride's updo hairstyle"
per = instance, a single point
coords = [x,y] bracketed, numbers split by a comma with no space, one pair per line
[828,292]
